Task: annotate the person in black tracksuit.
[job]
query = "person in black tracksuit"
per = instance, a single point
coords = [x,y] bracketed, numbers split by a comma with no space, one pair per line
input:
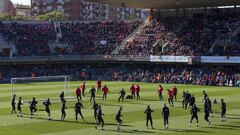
[148,113]
[47,104]
[95,107]
[192,101]
[194,112]
[209,102]
[77,108]
[19,108]
[122,95]
[13,103]
[204,96]
[99,117]
[183,99]
[207,112]
[118,118]
[63,107]
[62,96]
[32,107]
[92,94]
[165,115]
[187,100]
[224,109]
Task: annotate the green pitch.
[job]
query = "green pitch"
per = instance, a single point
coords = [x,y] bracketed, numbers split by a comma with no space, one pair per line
[133,116]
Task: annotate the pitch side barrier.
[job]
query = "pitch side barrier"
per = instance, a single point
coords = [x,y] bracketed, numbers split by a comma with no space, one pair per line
[125,58]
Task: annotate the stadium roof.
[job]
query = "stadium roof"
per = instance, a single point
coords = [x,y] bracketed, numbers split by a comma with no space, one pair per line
[169,4]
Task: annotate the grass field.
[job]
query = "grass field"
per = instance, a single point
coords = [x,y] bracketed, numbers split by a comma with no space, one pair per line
[133,116]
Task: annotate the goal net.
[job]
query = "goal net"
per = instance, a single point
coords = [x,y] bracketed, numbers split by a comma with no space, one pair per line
[41,87]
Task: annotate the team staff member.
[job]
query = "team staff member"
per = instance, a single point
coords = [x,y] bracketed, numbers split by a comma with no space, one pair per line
[99,117]
[122,95]
[165,115]
[148,113]
[47,104]
[77,108]
[105,91]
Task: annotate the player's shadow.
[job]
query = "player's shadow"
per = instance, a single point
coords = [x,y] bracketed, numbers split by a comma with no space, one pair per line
[185,130]
[134,131]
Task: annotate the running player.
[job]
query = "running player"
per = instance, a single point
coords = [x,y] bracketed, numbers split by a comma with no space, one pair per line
[118,118]
[95,107]
[192,101]
[159,91]
[13,103]
[170,98]
[78,93]
[194,112]
[77,108]
[174,92]
[206,112]
[209,102]
[187,99]
[148,113]
[137,90]
[83,87]
[32,107]
[204,96]
[224,109]
[47,104]
[63,107]
[165,115]
[92,94]
[99,117]
[122,95]
[62,96]
[19,108]
[99,84]
[105,91]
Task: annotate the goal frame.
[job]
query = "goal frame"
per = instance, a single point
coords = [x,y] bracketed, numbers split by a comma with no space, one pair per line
[66,78]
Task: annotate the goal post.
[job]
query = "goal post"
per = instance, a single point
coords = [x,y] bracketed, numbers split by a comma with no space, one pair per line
[41,84]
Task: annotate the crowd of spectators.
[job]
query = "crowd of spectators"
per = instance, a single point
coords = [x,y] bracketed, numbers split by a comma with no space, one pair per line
[197,75]
[191,35]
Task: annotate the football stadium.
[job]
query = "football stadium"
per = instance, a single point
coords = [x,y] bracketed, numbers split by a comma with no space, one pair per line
[109,67]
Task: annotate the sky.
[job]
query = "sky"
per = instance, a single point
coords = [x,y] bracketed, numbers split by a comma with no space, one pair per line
[25,2]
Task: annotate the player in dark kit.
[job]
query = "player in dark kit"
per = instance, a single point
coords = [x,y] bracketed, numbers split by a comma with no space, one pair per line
[13,103]
[183,99]
[95,107]
[118,118]
[77,109]
[224,109]
[209,103]
[32,107]
[99,117]
[92,94]
[207,112]
[159,91]
[148,113]
[19,108]
[194,112]
[204,96]
[187,99]
[63,107]
[47,104]
[62,96]
[122,95]
[165,115]
[192,101]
